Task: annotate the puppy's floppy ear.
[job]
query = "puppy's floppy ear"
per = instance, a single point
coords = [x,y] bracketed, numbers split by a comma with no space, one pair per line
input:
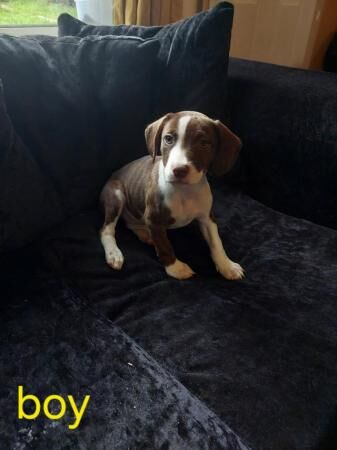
[153,135]
[227,151]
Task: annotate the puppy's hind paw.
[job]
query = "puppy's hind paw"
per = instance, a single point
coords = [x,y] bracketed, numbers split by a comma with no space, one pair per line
[179,270]
[115,258]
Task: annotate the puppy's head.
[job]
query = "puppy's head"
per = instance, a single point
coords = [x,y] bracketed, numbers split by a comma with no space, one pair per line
[192,144]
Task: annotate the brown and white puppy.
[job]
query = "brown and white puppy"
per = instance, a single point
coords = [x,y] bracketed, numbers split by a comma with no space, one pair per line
[169,189]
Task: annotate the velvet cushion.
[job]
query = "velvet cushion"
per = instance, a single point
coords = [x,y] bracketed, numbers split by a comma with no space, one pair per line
[192,60]
[287,119]
[28,200]
[261,352]
[80,107]
[51,343]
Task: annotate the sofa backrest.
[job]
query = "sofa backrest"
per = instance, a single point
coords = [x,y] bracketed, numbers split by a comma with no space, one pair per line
[287,119]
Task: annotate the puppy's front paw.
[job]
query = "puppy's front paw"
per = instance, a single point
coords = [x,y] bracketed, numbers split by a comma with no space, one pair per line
[231,270]
[179,270]
[115,258]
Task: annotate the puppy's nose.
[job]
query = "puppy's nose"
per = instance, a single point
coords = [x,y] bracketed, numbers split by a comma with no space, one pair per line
[181,171]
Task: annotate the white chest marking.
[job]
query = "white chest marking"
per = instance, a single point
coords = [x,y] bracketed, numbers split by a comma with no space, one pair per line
[185,201]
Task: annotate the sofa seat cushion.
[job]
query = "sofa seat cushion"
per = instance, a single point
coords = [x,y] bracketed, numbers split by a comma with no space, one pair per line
[192,60]
[52,344]
[260,352]
[72,103]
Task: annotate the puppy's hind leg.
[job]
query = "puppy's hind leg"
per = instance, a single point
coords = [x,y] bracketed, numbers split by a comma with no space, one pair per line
[113,199]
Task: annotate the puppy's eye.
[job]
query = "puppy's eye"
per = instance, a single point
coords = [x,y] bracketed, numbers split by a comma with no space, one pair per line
[169,139]
[205,142]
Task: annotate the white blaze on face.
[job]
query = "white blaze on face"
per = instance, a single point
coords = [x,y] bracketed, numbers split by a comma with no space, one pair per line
[178,155]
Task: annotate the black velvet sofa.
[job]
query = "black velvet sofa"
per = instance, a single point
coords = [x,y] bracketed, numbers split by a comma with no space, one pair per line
[205,363]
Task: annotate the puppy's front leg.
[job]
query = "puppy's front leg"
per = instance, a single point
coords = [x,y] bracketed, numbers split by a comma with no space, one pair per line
[173,266]
[224,265]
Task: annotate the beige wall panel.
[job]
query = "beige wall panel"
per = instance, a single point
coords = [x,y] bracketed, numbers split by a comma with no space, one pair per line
[264,29]
[276,31]
[243,28]
[285,33]
[306,21]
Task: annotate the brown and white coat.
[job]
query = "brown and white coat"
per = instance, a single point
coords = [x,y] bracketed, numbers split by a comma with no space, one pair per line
[169,189]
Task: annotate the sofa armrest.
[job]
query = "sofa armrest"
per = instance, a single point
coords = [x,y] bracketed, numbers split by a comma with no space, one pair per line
[287,119]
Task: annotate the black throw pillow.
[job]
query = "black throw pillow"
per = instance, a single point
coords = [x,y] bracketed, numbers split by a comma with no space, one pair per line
[78,108]
[27,198]
[193,58]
